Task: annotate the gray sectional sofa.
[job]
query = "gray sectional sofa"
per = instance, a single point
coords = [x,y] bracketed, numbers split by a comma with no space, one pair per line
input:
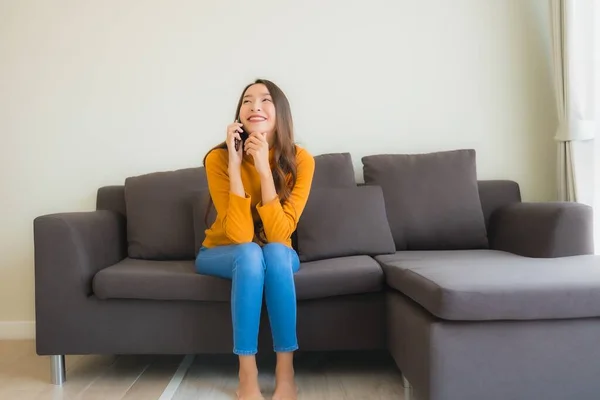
[476,294]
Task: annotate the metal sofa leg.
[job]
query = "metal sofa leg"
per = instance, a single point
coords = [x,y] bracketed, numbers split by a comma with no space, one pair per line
[58,372]
[407,388]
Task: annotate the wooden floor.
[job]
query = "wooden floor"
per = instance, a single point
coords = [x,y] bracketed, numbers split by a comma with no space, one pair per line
[321,376]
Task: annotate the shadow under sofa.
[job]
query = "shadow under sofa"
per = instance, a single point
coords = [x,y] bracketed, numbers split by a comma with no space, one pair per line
[92,298]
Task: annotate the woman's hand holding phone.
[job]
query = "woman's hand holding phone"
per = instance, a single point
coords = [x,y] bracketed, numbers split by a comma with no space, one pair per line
[235,151]
[236,186]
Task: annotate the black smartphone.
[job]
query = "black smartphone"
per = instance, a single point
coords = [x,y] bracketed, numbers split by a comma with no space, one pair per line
[243,135]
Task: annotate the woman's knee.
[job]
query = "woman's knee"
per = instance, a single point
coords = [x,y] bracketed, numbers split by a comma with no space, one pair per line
[277,255]
[249,257]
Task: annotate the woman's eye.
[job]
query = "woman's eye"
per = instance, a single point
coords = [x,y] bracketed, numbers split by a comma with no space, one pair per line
[266,99]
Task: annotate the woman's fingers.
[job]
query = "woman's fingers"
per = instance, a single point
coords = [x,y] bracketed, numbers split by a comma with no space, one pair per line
[250,146]
[234,130]
[257,139]
[260,136]
[234,142]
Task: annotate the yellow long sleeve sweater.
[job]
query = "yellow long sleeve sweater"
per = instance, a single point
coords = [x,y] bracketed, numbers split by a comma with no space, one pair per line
[236,215]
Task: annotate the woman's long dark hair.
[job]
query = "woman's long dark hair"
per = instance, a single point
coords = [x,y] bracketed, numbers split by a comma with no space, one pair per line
[284,153]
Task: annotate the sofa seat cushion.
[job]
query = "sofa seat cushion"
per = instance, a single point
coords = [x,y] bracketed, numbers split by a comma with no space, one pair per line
[478,285]
[158,280]
[338,276]
[178,280]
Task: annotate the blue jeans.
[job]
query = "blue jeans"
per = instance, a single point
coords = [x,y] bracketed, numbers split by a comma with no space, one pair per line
[253,268]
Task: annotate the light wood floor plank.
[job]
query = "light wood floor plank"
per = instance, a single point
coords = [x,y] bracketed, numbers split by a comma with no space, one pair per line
[25,377]
[321,376]
[155,379]
[118,378]
[210,378]
[80,376]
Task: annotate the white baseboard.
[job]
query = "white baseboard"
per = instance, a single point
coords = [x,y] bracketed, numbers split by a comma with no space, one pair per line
[12,330]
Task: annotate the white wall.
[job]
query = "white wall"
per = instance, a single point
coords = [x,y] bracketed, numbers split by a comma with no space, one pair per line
[93,92]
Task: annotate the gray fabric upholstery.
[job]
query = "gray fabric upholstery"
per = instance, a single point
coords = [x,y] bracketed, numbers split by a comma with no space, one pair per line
[70,248]
[111,198]
[543,229]
[432,200]
[338,276]
[486,285]
[160,224]
[177,280]
[340,222]
[89,240]
[493,360]
[333,170]
[495,194]
[159,280]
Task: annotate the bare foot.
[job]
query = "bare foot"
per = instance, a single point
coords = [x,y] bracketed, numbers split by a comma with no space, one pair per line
[285,388]
[249,389]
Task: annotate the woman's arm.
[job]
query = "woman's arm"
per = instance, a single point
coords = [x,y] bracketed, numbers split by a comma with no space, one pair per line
[267,187]
[280,220]
[236,186]
[231,201]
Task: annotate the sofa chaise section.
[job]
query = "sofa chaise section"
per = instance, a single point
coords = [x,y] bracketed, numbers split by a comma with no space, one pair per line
[487,323]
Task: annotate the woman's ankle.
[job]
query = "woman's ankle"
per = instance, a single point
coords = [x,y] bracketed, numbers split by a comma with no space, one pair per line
[248,376]
[248,368]
[284,372]
[285,365]
[249,387]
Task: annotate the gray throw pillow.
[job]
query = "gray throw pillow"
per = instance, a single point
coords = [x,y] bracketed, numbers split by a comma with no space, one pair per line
[432,200]
[339,222]
[160,222]
[333,170]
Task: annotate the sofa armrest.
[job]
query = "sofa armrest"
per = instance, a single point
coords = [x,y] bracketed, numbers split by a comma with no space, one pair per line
[71,247]
[543,230]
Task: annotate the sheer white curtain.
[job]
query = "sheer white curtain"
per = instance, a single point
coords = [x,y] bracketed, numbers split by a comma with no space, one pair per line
[596,150]
[573,53]
[576,59]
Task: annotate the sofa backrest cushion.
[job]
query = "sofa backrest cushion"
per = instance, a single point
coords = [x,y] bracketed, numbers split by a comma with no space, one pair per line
[160,223]
[432,200]
[495,194]
[339,222]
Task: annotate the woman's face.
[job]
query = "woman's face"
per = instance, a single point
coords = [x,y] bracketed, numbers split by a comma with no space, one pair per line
[257,112]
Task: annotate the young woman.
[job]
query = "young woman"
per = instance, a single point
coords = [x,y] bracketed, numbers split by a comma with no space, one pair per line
[259,188]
